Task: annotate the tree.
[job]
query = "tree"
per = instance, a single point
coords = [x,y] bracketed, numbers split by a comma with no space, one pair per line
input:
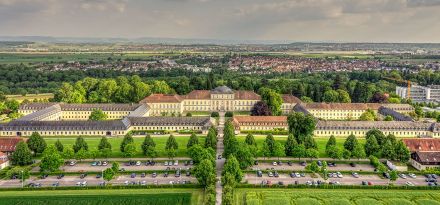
[22,156]
[301,125]
[393,175]
[299,151]
[51,160]
[313,167]
[171,143]
[368,115]
[343,96]
[193,140]
[330,96]
[68,153]
[94,153]
[108,174]
[228,195]
[389,118]
[244,155]
[306,99]
[388,150]
[250,140]
[105,153]
[402,152]
[331,141]
[358,152]
[128,139]
[149,146]
[261,109]
[36,143]
[97,115]
[104,144]
[272,99]
[59,146]
[350,142]
[334,152]
[211,139]
[198,154]
[129,150]
[270,141]
[115,167]
[265,151]
[233,167]
[346,154]
[380,137]
[309,142]
[171,153]
[372,147]
[312,153]
[80,143]
[278,150]
[290,145]
[81,154]
[205,172]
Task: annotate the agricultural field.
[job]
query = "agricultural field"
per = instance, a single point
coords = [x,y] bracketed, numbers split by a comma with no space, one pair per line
[320,141]
[104,197]
[116,141]
[30,97]
[335,197]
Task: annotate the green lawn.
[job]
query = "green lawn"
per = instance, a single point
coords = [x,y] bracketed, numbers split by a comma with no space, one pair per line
[335,197]
[103,197]
[115,142]
[321,141]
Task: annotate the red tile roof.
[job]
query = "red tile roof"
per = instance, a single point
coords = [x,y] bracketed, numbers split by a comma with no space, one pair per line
[290,99]
[199,94]
[246,95]
[7,144]
[162,98]
[423,144]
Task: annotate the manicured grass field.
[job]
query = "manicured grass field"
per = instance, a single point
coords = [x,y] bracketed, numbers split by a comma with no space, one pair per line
[335,197]
[104,197]
[160,141]
[320,141]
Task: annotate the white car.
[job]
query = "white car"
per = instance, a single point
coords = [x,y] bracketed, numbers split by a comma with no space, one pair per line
[84,183]
[171,182]
[412,175]
[339,174]
[72,163]
[138,163]
[143,183]
[403,176]
[104,163]
[274,163]
[176,163]
[126,182]
[78,183]
[409,184]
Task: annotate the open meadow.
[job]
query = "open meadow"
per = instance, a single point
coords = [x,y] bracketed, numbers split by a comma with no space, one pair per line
[335,197]
[104,197]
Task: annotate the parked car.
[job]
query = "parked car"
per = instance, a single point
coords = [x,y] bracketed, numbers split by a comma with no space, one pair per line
[386,175]
[133,175]
[154,175]
[275,174]
[105,163]
[403,176]
[339,174]
[138,163]
[44,176]
[303,163]
[188,173]
[143,175]
[355,175]
[352,164]
[259,173]
[412,175]
[165,174]
[409,184]
[274,163]
[365,183]
[56,184]
[177,173]
[319,163]
[82,176]
[256,162]
[98,176]
[270,174]
[289,163]
[165,163]
[60,176]
[72,163]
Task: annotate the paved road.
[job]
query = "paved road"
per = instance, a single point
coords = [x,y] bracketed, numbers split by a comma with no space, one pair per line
[220,162]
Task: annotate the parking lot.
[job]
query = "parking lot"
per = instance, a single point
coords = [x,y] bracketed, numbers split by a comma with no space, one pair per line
[92,180]
[346,179]
[142,166]
[298,166]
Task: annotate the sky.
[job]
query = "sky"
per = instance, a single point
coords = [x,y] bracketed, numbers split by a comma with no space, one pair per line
[291,20]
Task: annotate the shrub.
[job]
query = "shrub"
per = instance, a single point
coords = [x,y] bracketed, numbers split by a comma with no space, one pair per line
[229,114]
[215,114]
[189,114]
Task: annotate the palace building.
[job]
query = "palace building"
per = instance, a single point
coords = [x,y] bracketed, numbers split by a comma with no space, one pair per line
[219,99]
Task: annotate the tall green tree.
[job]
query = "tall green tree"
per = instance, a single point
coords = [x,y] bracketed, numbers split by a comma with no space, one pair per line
[358,152]
[290,145]
[171,143]
[272,99]
[22,156]
[388,150]
[36,143]
[250,140]
[97,115]
[211,139]
[193,140]
[59,146]
[244,155]
[104,144]
[129,150]
[278,150]
[372,147]
[309,142]
[80,143]
[301,125]
[128,139]
[380,137]
[108,174]
[205,172]
[351,142]
[299,151]
[232,166]
[270,141]
[402,151]
[51,160]
[331,141]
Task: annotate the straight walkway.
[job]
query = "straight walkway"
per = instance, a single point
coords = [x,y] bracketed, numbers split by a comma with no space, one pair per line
[220,162]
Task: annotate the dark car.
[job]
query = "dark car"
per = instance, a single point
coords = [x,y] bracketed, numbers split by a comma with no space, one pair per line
[60,176]
[386,175]
[82,176]
[352,164]
[143,175]
[259,173]
[44,176]
[154,175]
[289,163]
[292,175]
[256,162]
[331,164]
[133,175]
[98,176]
[165,174]
[303,163]
[275,174]
[188,173]
[319,163]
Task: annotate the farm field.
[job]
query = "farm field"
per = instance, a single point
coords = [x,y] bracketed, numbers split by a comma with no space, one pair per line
[335,197]
[104,197]
[30,97]
[320,141]
[160,141]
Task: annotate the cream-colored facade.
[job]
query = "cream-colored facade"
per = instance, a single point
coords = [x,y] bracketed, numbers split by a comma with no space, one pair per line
[219,99]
